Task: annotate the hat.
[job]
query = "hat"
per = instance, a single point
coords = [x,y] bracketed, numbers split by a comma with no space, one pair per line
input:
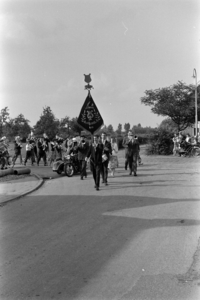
[74,140]
[3,138]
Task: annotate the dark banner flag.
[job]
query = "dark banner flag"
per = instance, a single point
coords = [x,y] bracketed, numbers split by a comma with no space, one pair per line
[90,118]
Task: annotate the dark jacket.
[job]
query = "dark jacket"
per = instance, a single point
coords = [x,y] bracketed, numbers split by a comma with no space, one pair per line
[41,147]
[17,148]
[95,154]
[83,149]
[107,148]
[132,147]
[124,144]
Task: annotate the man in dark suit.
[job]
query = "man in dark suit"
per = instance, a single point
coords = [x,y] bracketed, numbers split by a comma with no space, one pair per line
[83,148]
[107,151]
[132,153]
[95,154]
[42,147]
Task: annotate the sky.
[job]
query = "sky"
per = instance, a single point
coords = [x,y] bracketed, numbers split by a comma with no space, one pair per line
[128,47]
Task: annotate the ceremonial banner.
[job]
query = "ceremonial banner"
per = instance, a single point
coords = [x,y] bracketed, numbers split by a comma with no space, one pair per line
[90,118]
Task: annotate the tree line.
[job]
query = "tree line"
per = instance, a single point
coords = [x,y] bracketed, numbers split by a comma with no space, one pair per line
[175,102]
[48,123]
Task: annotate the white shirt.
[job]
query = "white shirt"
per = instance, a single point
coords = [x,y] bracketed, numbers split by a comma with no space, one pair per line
[28,147]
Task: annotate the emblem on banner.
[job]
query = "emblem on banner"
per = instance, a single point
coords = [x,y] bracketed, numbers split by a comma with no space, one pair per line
[88,80]
[89,118]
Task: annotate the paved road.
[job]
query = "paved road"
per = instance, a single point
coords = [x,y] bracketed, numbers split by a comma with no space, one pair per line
[137,238]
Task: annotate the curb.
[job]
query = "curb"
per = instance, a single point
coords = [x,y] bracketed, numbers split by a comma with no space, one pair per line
[40,183]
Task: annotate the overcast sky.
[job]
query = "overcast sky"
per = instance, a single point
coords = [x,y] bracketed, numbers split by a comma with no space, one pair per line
[47,46]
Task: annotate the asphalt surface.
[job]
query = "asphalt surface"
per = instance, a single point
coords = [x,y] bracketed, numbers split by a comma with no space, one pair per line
[137,238]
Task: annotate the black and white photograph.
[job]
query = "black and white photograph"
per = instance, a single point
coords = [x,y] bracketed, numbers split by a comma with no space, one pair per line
[100,149]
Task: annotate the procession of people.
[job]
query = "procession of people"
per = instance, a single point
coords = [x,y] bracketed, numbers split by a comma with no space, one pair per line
[101,153]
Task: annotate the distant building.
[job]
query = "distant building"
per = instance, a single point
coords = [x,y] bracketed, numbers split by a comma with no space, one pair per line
[191,130]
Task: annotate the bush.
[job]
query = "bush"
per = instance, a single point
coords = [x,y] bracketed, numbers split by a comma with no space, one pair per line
[160,142]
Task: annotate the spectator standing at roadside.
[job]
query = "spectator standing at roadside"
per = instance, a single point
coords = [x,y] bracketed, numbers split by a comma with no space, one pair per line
[175,140]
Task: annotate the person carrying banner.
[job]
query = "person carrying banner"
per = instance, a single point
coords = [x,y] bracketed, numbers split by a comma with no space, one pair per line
[107,151]
[95,155]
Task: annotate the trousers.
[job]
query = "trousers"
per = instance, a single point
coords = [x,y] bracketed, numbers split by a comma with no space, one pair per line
[132,162]
[95,169]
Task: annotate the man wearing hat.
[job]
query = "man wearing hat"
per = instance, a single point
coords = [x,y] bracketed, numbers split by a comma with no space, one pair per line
[132,145]
[83,148]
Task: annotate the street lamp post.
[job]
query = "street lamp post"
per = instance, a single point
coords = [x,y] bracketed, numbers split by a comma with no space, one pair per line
[196,115]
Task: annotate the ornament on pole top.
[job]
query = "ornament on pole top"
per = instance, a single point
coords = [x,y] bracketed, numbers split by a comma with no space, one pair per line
[88,80]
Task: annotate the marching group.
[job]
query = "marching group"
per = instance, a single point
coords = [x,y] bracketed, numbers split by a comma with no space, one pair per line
[101,152]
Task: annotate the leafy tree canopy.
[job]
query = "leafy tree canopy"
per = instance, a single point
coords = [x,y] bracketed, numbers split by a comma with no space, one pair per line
[176,102]
[127,127]
[168,125]
[47,124]
[20,126]
[75,127]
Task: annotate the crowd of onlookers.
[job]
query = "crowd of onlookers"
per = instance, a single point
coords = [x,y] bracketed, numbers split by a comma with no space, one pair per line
[185,145]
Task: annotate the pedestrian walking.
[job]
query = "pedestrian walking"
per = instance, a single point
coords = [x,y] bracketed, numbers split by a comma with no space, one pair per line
[113,162]
[107,151]
[52,156]
[83,148]
[132,153]
[95,155]
[139,157]
[17,149]
[29,153]
[42,148]
[126,148]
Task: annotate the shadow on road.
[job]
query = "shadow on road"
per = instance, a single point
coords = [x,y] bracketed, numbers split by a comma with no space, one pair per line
[57,244]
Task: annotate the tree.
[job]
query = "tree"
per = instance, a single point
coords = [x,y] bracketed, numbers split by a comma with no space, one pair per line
[110,129]
[47,124]
[4,121]
[20,126]
[75,127]
[127,127]
[119,129]
[169,125]
[175,101]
